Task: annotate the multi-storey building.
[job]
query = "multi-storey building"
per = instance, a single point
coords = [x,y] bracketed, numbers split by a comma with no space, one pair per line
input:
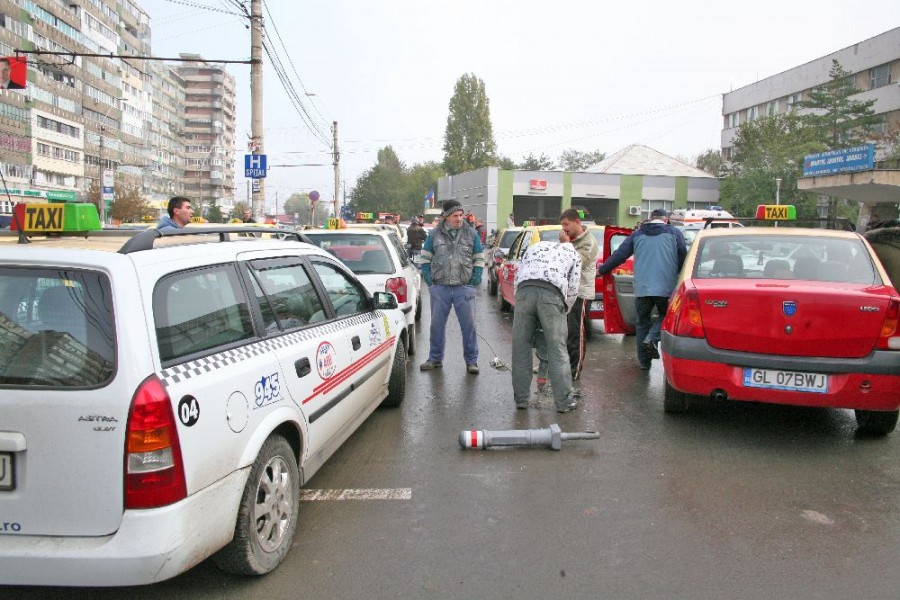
[208,131]
[80,116]
[874,65]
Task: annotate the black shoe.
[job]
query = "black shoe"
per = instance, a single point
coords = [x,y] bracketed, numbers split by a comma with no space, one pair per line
[521,405]
[429,365]
[571,404]
[651,349]
[473,369]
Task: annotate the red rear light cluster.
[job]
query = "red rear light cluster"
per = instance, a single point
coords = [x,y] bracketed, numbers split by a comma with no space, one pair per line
[397,286]
[154,471]
[684,318]
[889,338]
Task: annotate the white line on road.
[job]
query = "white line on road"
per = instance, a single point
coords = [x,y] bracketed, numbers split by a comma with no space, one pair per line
[356,494]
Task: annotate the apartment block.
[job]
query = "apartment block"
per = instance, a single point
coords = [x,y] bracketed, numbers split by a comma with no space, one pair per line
[874,65]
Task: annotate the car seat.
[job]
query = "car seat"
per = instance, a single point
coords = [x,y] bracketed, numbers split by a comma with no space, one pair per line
[807,267]
[375,261]
[728,265]
[777,269]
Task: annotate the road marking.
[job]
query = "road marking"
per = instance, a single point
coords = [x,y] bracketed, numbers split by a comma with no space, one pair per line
[356,494]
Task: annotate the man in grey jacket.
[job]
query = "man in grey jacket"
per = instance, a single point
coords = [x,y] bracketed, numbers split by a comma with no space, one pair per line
[659,252]
[586,246]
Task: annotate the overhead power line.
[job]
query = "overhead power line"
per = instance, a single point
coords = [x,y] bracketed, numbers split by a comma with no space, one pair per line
[204,7]
[294,97]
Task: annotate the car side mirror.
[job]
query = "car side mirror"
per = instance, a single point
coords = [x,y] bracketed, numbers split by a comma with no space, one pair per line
[385,301]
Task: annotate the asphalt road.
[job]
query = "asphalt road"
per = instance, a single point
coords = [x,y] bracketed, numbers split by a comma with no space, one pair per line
[729,501]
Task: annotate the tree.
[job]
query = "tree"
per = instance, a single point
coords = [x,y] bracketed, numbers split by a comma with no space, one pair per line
[837,119]
[766,149]
[129,205]
[237,212]
[505,162]
[575,160]
[297,204]
[537,163]
[469,137]
[382,188]
[214,212]
[710,161]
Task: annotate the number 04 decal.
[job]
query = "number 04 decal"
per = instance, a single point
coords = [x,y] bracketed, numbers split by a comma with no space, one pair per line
[188,411]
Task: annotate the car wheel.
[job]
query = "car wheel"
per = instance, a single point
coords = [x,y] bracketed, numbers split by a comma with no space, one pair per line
[502,304]
[674,401]
[418,309]
[492,285]
[876,422]
[411,336]
[267,515]
[397,382]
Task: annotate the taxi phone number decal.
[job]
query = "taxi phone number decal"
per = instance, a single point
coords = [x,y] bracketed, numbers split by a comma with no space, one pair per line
[267,390]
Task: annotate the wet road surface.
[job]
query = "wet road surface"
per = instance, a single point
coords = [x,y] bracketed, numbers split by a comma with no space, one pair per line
[728,501]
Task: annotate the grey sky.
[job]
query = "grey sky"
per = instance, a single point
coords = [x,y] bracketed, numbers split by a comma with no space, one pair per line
[563,74]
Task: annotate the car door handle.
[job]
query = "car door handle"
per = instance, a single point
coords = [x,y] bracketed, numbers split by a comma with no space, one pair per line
[356,342]
[302,367]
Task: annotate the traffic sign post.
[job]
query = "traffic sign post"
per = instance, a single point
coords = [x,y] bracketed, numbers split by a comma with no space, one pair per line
[255,166]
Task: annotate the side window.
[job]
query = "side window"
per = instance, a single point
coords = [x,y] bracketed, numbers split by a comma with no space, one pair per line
[286,295]
[524,242]
[346,296]
[198,311]
[400,250]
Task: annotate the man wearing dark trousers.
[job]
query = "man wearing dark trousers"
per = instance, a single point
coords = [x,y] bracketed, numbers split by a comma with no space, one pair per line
[574,232]
[659,252]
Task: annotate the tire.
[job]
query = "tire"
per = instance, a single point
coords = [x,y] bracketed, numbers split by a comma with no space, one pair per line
[675,402]
[397,382]
[263,536]
[492,285]
[502,304]
[411,336]
[876,422]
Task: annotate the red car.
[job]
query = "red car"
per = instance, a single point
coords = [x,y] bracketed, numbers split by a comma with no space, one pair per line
[788,315]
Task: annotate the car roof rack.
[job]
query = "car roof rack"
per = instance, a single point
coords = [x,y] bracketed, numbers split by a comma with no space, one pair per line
[144,240]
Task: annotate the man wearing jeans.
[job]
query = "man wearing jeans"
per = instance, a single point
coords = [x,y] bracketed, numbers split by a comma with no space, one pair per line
[546,287]
[659,252]
[452,261]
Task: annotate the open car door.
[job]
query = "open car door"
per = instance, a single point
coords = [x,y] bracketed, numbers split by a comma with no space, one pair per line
[618,286]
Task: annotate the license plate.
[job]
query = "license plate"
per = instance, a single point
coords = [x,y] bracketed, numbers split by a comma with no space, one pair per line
[597,305]
[7,472]
[795,381]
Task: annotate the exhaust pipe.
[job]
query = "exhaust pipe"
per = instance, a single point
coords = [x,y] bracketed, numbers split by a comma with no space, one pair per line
[719,395]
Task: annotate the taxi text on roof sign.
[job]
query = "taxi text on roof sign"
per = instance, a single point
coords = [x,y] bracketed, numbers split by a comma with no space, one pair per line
[776,212]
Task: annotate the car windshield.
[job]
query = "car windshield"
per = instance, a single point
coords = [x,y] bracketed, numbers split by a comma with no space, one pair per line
[363,254]
[550,235]
[809,258]
[507,239]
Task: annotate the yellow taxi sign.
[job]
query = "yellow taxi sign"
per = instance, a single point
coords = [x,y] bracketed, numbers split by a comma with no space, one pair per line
[776,212]
[333,223]
[44,217]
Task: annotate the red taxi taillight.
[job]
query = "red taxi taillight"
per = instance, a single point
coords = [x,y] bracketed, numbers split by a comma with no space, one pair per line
[889,338]
[154,471]
[397,286]
[684,318]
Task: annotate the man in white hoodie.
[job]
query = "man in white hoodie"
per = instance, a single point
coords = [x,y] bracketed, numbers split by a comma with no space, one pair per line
[546,287]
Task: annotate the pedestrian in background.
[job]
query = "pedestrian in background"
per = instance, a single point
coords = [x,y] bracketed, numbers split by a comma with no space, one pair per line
[546,287]
[452,262]
[586,246]
[659,252]
[415,237]
[248,217]
[180,212]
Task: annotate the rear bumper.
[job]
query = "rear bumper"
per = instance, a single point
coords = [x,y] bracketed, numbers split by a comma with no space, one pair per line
[871,383]
[150,545]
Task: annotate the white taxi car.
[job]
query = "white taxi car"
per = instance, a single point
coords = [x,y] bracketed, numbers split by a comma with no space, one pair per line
[163,401]
[377,257]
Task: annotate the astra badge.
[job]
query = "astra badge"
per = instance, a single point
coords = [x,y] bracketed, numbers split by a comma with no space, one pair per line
[789,307]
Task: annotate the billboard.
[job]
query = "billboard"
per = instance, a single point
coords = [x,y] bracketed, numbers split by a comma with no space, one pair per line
[13,73]
[858,158]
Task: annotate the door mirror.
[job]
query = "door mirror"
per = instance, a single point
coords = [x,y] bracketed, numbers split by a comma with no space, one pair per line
[385,301]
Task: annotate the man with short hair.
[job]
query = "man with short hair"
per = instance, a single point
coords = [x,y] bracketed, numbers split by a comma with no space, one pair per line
[574,232]
[5,73]
[546,286]
[180,213]
[452,261]
[659,252]
[248,217]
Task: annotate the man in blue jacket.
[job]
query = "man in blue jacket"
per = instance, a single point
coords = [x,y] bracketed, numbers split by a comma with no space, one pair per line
[659,252]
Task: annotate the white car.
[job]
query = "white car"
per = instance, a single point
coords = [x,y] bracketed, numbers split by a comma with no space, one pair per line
[163,401]
[380,261]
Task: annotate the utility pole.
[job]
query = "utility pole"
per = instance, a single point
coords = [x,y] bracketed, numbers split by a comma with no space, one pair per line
[256,99]
[337,173]
[102,181]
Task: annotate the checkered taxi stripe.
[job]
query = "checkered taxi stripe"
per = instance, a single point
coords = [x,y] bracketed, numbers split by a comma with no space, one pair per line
[220,360]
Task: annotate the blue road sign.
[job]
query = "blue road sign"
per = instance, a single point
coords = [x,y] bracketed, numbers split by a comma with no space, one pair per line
[255,166]
[858,158]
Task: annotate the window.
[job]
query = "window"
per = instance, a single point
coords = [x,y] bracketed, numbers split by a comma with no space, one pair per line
[793,99]
[772,107]
[200,312]
[346,297]
[56,328]
[752,113]
[734,119]
[286,295]
[879,76]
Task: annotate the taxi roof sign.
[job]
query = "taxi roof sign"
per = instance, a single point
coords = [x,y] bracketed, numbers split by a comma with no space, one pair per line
[776,212]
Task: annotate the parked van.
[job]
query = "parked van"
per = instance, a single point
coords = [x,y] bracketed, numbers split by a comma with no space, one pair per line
[698,217]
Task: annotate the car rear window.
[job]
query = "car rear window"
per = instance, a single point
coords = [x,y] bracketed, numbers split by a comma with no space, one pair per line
[56,328]
[807,258]
[550,235]
[507,239]
[363,254]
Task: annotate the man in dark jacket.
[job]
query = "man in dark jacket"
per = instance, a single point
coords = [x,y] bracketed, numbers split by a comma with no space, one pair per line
[659,252]
[415,237]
